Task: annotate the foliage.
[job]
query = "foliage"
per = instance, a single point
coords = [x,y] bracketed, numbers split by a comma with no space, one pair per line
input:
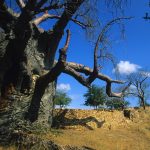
[95,96]
[62,99]
[117,103]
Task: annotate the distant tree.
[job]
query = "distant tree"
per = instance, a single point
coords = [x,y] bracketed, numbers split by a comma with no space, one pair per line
[95,96]
[140,86]
[62,99]
[116,103]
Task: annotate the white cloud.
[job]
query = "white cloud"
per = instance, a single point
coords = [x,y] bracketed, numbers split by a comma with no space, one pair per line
[63,87]
[125,67]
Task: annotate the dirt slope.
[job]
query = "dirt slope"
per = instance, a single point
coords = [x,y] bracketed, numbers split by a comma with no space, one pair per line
[81,128]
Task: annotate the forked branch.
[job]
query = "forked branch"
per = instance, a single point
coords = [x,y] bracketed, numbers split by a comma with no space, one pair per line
[101,36]
[100,39]
[61,64]
[46,16]
[75,71]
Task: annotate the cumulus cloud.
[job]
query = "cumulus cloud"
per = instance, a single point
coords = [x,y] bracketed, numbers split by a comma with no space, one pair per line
[64,87]
[125,67]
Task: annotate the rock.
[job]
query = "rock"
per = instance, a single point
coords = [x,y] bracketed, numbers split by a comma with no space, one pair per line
[130,114]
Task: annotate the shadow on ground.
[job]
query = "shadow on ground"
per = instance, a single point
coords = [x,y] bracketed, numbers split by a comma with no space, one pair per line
[60,121]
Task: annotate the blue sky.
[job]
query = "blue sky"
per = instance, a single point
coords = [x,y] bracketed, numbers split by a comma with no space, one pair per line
[132,53]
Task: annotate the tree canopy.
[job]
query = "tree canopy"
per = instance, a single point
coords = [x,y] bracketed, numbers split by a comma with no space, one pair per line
[116,103]
[62,99]
[95,96]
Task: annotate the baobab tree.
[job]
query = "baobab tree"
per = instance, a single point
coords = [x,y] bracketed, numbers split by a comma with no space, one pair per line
[26,50]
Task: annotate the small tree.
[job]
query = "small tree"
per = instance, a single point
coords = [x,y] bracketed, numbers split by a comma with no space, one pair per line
[62,99]
[117,103]
[140,86]
[95,96]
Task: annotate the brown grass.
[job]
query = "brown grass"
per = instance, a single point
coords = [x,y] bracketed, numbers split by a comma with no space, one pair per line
[134,137]
[102,139]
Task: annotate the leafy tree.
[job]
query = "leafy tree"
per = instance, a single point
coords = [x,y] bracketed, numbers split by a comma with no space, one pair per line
[116,103]
[62,99]
[95,96]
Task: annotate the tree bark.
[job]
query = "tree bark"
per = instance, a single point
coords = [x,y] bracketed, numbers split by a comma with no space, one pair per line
[143,103]
[21,51]
[12,116]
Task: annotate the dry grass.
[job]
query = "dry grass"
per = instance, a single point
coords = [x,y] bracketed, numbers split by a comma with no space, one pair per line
[134,137]
[8,148]
[102,139]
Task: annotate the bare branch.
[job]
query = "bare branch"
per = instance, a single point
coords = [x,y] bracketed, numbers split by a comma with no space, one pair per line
[61,64]
[101,36]
[110,23]
[112,94]
[50,7]
[62,56]
[20,3]
[42,18]
[74,70]
[60,25]
[46,16]
[87,71]
[67,41]
[81,79]
[83,25]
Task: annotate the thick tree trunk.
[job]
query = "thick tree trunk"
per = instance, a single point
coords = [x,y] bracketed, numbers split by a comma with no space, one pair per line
[24,51]
[12,116]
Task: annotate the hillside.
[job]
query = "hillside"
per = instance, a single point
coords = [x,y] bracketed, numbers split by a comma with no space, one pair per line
[104,130]
[76,129]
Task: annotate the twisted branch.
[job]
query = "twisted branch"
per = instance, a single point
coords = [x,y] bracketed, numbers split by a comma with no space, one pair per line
[75,71]
[100,38]
[61,64]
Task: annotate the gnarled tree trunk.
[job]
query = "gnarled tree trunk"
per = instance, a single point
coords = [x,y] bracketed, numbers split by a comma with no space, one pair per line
[17,73]
[26,51]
